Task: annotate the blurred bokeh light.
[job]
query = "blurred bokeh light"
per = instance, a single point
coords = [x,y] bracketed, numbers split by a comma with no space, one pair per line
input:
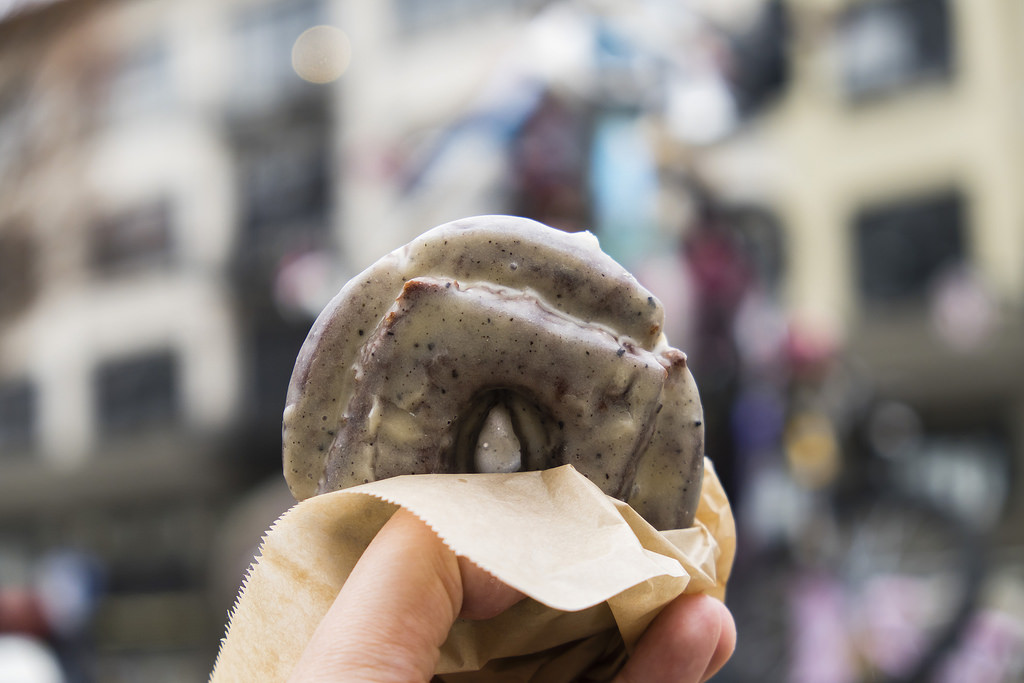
[321,54]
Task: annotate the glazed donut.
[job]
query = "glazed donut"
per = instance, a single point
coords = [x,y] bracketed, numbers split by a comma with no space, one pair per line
[497,344]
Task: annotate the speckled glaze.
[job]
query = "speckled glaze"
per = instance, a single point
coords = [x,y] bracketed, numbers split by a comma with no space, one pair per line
[400,372]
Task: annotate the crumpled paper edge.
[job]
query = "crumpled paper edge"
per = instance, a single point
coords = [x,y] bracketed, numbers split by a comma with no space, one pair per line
[269,627]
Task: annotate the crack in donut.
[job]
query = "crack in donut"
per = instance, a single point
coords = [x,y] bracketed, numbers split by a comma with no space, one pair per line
[497,329]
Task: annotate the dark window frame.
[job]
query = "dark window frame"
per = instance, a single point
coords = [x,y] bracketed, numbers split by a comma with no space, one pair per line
[926,25]
[263,37]
[136,238]
[416,18]
[140,81]
[19,270]
[903,244]
[285,193]
[761,236]
[19,414]
[138,392]
[15,124]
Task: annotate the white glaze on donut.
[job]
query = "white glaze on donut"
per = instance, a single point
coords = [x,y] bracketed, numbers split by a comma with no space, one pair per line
[399,373]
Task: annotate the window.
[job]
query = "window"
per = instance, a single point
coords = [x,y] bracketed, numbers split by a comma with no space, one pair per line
[18,275]
[141,82]
[13,124]
[903,246]
[889,45]
[421,16]
[760,238]
[136,393]
[17,415]
[285,192]
[137,238]
[274,348]
[760,67]
[265,35]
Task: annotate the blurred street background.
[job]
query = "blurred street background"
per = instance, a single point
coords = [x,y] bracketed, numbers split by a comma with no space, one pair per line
[825,194]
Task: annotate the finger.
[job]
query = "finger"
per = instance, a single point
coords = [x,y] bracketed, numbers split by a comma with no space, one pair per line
[686,643]
[726,643]
[483,595]
[397,606]
[392,614]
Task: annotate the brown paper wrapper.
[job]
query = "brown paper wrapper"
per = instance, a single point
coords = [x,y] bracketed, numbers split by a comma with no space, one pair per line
[594,571]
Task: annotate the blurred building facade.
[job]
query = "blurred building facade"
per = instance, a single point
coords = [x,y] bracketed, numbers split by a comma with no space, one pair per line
[176,205]
[889,161]
[173,213]
[886,164]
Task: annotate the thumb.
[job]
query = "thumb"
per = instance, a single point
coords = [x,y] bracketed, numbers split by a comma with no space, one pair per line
[396,608]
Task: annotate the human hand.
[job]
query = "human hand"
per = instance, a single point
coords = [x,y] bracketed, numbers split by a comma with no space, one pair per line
[396,608]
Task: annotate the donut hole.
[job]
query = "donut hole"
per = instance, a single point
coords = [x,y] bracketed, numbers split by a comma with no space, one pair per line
[498,449]
[505,430]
